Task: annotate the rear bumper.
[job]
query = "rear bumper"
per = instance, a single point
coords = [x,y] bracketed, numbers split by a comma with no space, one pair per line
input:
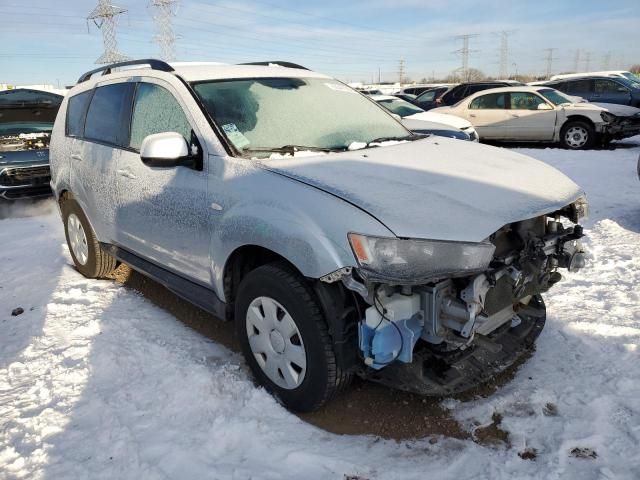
[439,374]
[31,181]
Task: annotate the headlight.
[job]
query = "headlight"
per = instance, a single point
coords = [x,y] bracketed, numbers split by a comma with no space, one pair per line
[608,117]
[414,261]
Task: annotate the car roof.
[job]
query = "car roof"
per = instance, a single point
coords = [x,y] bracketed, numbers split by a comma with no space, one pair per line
[202,71]
[515,88]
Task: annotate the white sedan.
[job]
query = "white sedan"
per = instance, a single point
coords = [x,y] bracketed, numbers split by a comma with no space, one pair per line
[411,114]
[542,114]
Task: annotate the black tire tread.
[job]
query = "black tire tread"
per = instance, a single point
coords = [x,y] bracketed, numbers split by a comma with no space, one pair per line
[338,380]
[104,262]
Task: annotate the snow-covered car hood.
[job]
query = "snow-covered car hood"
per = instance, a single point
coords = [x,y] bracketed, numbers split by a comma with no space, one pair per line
[437,188]
[432,116]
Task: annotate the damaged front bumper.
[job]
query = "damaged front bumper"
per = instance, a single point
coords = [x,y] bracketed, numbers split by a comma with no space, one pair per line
[452,333]
[619,127]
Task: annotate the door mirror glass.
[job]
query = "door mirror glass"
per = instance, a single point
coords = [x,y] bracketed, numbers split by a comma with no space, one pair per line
[168,149]
[544,106]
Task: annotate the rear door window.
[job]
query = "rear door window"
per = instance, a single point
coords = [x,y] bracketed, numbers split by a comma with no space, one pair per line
[490,101]
[607,86]
[76,113]
[579,86]
[109,114]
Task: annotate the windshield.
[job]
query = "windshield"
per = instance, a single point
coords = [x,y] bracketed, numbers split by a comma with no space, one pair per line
[399,107]
[554,96]
[319,113]
[631,76]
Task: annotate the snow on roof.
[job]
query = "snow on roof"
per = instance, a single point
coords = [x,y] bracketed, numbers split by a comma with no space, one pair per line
[198,72]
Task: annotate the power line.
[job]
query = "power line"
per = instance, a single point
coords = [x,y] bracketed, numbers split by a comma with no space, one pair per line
[105,16]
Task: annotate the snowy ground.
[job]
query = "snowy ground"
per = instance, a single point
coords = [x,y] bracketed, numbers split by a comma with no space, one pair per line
[96,382]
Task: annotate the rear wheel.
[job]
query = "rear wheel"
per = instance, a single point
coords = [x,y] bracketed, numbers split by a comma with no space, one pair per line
[577,135]
[284,338]
[90,258]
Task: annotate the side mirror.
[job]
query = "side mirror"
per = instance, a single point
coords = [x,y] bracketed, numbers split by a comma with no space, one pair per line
[544,106]
[622,90]
[166,150]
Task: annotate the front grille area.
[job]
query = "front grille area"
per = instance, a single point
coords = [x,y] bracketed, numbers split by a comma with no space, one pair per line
[25,176]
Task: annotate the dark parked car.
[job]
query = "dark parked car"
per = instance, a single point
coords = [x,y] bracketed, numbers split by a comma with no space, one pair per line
[463,90]
[428,99]
[26,121]
[601,89]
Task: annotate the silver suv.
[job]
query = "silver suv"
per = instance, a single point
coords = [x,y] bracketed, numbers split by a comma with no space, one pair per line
[338,242]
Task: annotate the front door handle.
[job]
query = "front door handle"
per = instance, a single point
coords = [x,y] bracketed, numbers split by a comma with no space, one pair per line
[472,115]
[515,115]
[125,173]
[76,156]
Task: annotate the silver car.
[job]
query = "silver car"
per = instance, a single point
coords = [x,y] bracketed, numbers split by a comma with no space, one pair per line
[338,242]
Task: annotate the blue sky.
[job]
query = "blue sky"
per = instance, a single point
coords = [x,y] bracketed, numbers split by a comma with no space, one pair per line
[48,41]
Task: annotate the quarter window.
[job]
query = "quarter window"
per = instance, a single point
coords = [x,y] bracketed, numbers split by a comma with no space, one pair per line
[156,111]
[491,101]
[108,114]
[76,112]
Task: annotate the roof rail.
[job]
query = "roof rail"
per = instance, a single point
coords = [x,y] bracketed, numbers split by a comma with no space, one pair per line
[154,64]
[277,62]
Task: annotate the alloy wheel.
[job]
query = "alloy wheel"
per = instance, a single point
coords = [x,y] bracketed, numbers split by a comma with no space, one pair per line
[77,239]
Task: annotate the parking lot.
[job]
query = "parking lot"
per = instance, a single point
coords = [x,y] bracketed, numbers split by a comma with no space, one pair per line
[107,379]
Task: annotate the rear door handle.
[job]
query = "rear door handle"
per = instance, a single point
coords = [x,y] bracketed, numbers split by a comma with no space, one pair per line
[75,156]
[472,115]
[125,173]
[515,115]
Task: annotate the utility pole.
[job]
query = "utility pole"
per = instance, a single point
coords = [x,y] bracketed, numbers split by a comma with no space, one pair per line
[576,62]
[464,54]
[163,13]
[504,52]
[549,60]
[401,71]
[606,61]
[105,16]
[587,61]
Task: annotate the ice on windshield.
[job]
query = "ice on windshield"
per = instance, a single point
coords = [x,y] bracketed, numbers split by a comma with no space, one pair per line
[312,112]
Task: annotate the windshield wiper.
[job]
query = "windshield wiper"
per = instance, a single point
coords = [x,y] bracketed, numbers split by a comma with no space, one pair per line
[397,139]
[292,149]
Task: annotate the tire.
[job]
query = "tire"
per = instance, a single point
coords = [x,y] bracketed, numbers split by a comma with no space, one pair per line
[296,363]
[89,257]
[577,135]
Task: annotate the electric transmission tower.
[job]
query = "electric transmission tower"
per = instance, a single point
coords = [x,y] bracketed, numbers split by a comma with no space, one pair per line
[549,60]
[464,54]
[606,61]
[576,62]
[504,52]
[163,13]
[105,17]
[587,61]
[401,71]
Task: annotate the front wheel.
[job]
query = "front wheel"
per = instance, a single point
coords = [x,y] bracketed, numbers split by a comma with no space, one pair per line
[284,338]
[577,135]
